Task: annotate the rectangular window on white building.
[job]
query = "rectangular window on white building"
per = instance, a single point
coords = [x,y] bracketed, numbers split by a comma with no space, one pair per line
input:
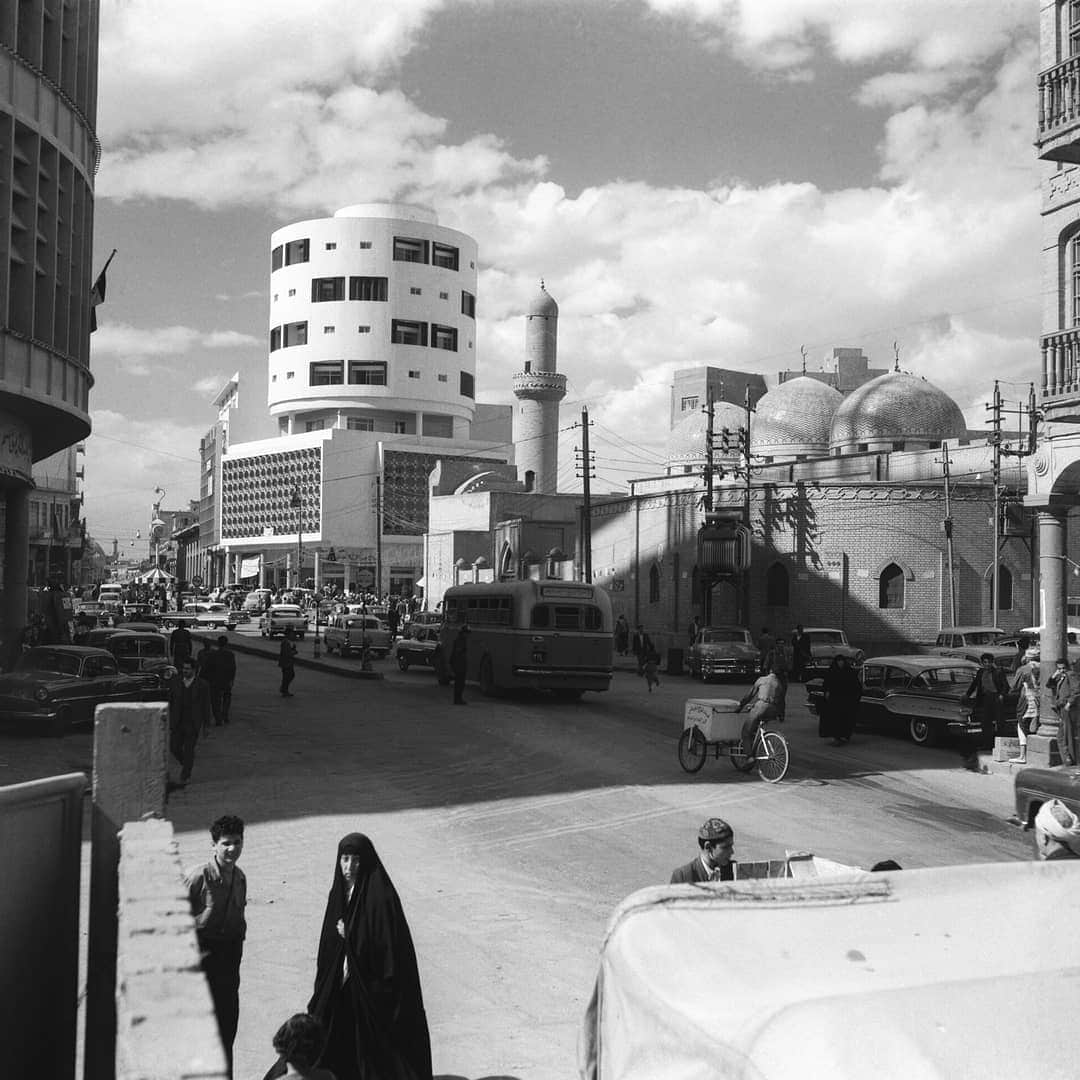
[327,373]
[275,339]
[314,425]
[360,423]
[367,373]
[444,296]
[407,332]
[364,244]
[442,377]
[415,291]
[468,385]
[331,245]
[468,304]
[363,329]
[294,333]
[297,251]
[327,288]
[443,337]
[408,249]
[414,373]
[445,256]
[367,288]
[327,329]
[399,427]
[276,258]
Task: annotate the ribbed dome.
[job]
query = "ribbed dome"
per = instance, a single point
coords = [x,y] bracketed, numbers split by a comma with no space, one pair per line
[895,407]
[795,418]
[543,304]
[686,443]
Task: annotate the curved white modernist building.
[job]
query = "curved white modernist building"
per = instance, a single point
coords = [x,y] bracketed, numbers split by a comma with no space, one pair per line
[373,323]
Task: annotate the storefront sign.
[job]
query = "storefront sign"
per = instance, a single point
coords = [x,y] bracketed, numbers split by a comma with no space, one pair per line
[16,444]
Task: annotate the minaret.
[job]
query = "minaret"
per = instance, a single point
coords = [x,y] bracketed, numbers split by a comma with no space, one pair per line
[539,389]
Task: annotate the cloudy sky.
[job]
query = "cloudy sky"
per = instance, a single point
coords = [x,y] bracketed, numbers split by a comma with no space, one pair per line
[698,181]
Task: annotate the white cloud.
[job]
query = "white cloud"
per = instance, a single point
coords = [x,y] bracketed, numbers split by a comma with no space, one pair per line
[132,343]
[126,458]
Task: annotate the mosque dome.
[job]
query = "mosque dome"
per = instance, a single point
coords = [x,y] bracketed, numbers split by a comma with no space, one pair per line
[686,443]
[895,408]
[795,418]
[543,304]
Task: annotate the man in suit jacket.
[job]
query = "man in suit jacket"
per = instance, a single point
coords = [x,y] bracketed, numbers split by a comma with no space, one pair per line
[717,843]
[189,713]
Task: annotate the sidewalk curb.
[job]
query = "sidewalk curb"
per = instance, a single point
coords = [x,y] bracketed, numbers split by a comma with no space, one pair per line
[298,661]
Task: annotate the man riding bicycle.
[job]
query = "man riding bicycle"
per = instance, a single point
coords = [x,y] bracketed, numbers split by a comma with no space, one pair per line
[766,701]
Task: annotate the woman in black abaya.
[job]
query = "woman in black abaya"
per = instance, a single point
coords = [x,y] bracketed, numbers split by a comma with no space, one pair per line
[842,689]
[367,987]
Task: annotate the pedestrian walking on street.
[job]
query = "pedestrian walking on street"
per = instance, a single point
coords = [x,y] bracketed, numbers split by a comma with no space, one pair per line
[367,985]
[189,711]
[286,657]
[693,628]
[841,691]
[640,645]
[622,635]
[716,841]
[459,663]
[1027,711]
[180,645]
[1064,686]
[218,895]
[801,652]
[221,678]
[299,1043]
[650,669]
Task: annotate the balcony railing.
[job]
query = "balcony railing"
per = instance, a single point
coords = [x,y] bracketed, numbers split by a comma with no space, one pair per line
[1059,103]
[1061,363]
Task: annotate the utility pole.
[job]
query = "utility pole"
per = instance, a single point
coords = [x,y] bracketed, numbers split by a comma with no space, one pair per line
[746,498]
[378,537]
[710,414]
[995,473]
[585,465]
[947,526]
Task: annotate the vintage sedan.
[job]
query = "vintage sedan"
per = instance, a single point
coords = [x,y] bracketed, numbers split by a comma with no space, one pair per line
[723,651]
[213,615]
[420,648]
[281,618]
[1033,786]
[923,696]
[827,644]
[354,633]
[89,615]
[970,642]
[55,686]
[141,653]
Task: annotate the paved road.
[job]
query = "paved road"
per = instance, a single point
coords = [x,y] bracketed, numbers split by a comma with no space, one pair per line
[511,829]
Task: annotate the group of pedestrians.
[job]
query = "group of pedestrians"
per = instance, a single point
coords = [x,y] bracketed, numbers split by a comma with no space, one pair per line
[365,1019]
[200,695]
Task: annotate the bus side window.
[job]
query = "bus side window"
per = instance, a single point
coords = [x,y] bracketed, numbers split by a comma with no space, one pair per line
[541,616]
[593,619]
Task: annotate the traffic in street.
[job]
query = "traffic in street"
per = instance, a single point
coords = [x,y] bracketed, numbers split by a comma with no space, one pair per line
[512,827]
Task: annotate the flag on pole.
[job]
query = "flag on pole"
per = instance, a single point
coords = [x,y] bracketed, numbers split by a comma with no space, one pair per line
[97,293]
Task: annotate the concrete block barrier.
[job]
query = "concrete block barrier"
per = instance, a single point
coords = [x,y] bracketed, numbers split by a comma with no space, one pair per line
[165,1023]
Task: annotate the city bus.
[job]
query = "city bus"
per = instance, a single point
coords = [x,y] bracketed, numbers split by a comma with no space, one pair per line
[541,635]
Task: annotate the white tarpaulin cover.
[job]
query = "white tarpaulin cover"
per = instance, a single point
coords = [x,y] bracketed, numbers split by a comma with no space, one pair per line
[156,575]
[969,971]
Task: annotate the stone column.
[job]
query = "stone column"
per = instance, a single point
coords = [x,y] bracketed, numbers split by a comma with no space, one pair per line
[16,560]
[1051,517]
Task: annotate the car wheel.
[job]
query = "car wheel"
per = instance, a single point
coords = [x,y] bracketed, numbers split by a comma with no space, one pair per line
[60,724]
[922,732]
[403,662]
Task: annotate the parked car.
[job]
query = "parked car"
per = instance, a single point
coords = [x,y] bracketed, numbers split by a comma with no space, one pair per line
[1033,786]
[217,616]
[139,612]
[419,648]
[970,642]
[99,636]
[56,686]
[142,653]
[723,651]
[827,644]
[256,600]
[352,633]
[422,618]
[920,695]
[282,617]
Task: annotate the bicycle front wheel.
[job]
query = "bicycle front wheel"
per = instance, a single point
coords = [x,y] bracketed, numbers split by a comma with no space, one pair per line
[772,762]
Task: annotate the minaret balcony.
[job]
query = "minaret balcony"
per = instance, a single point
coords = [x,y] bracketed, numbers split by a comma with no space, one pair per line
[1059,112]
[540,385]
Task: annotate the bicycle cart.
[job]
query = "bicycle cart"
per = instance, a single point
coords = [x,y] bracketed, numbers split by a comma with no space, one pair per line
[715,724]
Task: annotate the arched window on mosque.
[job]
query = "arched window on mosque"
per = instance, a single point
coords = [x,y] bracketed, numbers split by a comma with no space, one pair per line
[776,586]
[891,587]
[654,584]
[1005,590]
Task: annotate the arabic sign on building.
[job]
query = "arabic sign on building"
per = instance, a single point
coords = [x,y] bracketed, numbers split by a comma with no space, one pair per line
[16,444]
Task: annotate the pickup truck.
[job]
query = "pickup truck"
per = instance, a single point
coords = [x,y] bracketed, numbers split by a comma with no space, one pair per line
[970,642]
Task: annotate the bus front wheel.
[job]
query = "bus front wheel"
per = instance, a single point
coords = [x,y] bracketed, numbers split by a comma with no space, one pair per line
[487,678]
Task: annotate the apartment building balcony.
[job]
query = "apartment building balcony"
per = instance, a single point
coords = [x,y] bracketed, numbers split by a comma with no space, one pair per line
[1059,112]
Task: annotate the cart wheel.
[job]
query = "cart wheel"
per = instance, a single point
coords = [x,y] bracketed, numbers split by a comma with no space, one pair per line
[773,760]
[739,760]
[692,749]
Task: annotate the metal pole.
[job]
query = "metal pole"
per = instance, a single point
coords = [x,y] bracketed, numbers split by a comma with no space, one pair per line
[996,473]
[746,504]
[709,429]
[298,582]
[948,523]
[586,470]
[378,538]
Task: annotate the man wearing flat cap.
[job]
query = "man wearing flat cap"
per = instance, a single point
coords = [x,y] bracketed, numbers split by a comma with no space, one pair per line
[713,863]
